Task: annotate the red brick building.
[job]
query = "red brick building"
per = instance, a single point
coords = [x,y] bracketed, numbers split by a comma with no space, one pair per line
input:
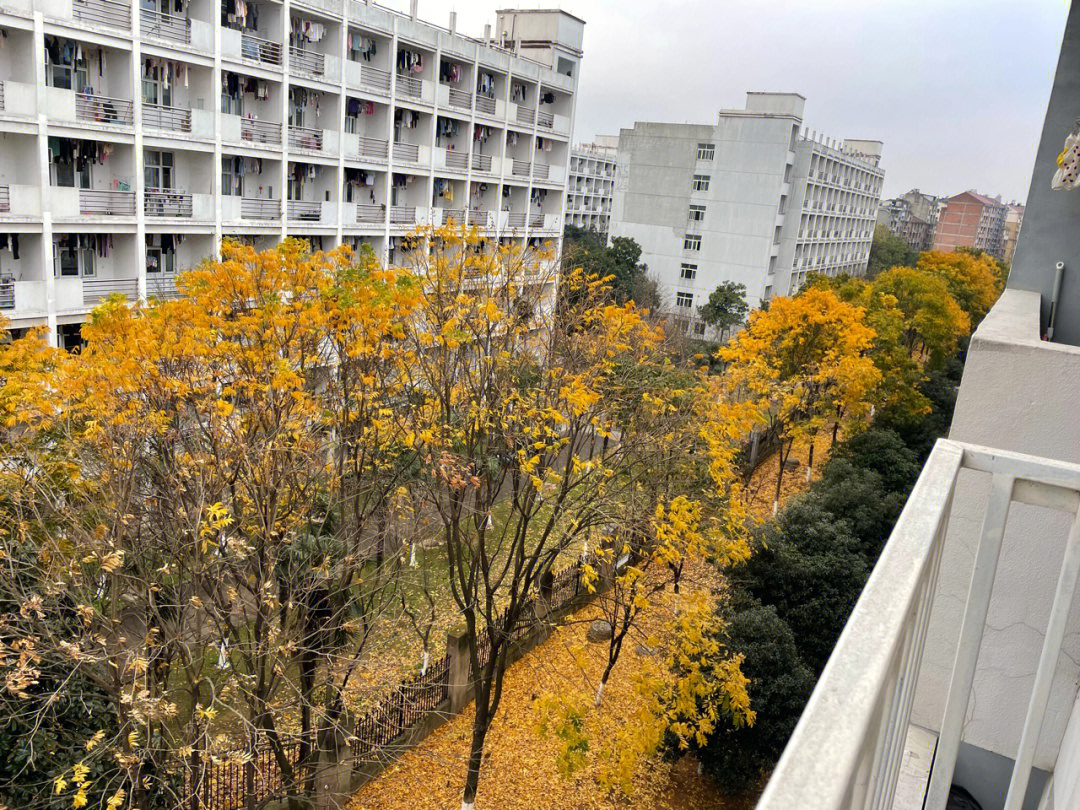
[972,220]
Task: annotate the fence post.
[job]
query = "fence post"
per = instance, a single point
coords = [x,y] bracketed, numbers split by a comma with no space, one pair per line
[459,676]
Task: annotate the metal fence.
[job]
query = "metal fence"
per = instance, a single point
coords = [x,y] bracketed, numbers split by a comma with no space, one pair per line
[402,709]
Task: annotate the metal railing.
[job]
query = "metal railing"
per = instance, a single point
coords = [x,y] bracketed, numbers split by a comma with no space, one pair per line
[536,221]
[305,138]
[253,208]
[102,12]
[457,160]
[96,202]
[171,119]
[861,708]
[515,220]
[541,171]
[402,215]
[545,119]
[5,199]
[305,211]
[375,78]
[459,99]
[7,291]
[485,105]
[256,131]
[409,152]
[520,168]
[408,86]
[165,26]
[481,163]
[160,202]
[161,285]
[375,148]
[103,109]
[455,216]
[1,95]
[481,219]
[367,212]
[96,290]
[307,61]
[260,50]
[526,115]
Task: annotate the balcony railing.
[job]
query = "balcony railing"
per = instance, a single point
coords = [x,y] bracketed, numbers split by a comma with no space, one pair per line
[526,115]
[481,219]
[520,168]
[408,152]
[408,86]
[545,119]
[402,215]
[457,160]
[459,99]
[1,95]
[305,138]
[165,26]
[161,285]
[170,119]
[366,212]
[260,50]
[455,216]
[5,199]
[103,12]
[373,148]
[375,78]
[515,220]
[256,131]
[159,202]
[7,291]
[536,221]
[251,208]
[305,211]
[481,163]
[94,202]
[847,749]
[103,109]
[96,290]
[307,61]
[541,171]
[485,105]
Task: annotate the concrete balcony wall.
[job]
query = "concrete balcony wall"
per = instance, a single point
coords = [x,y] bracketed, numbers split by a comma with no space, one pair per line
[202,125]
[202,207]
[60,104]
[63,202]
[21,99]
[67,294]
[25,203]
[561,125]
[202,36]
[30,299]
[230,44]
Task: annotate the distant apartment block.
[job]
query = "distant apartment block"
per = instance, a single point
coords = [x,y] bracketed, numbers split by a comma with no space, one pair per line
[135,136]
[753,199]
[972,220]
[913,217]
[1014,218]
[592,184]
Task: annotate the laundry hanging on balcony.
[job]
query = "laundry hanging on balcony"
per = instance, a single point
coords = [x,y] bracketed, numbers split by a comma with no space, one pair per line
[307,31]
[68,151]
[1067,176]
[100,243]
[301,98]
[543,144]
[165,71]
[304,171]
[356,106]
[445,128]
[361,47]
[238,14]
[403,180]
[449,72]
[547,98]
[410,61]
[406,118]
[444,189]
[485,86]
[517,93]
[10,241]
[481,133]
[511,138]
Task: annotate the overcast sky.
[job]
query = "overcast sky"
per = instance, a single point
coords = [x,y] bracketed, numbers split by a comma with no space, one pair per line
[956,89]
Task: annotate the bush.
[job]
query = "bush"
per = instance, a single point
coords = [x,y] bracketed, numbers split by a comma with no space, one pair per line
[858,496]
[883,451]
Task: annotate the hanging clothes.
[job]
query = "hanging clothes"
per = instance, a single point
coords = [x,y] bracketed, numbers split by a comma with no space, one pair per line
[485,85]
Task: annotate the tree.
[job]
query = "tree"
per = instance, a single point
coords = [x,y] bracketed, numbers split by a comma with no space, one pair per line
[888,250]
[726,306]
[933,322]
[804,360]
[973,279]
[618,262]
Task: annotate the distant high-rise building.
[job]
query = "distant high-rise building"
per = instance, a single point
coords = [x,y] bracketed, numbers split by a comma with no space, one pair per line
[592,184]
[751,199]
[972,220]
[1014,218]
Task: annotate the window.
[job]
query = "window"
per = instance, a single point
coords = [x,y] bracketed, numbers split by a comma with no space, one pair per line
[697,213]
[72,260]
[684,300]
[155,88]
[65,173]
[691,241]
[699,328]
[160,261]
[706,151]
[231,182]
[701,182]
[688,272]
[158,169]
[66,77]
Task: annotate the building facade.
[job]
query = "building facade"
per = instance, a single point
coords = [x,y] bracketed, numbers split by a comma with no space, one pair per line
[133,139]
[752,199]
[1014,218]
[972,220]
[591,190]
[913,217]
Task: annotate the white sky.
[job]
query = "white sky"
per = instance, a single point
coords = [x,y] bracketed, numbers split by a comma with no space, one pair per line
[956,89]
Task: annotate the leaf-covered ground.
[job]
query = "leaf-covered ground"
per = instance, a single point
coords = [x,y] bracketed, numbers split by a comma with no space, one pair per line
[520,767]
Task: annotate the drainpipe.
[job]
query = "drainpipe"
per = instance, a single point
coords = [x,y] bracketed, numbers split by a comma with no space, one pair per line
[1059,271]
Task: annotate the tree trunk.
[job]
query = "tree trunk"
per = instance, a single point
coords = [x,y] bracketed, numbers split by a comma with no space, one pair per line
[780,473]
[810,461]
[476,751]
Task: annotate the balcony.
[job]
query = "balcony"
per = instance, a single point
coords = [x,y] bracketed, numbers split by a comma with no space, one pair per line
[306,61]
[485,105]
[459,99]
[165,26]
[545,119]
[170,119]
[260,50]
[305,211]
[515,219]
[5,199]
[306,138]
[541,171]
[103,109]
[481,163]
[371,77]
[451,160]
[410,87]
[251,208]
[7,291]
[260,132]
[112,13]
[159,285]
[481,219]
[159,202]
[406,152]
[106,203]
[525,115]
[520,168]
[372,148]
[408,215]
[96,290]
[453,216]
[370,214]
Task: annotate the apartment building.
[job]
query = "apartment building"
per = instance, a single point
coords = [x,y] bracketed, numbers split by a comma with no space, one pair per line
[913,217]
[972,220]
[1014,218]
[752,199]
[134,138]
[592,184]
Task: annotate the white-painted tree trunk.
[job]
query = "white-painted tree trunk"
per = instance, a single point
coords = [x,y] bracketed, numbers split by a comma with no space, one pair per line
[599,694]
[467,805]
[424,663]
[775,506]
[808,472]
[412,555]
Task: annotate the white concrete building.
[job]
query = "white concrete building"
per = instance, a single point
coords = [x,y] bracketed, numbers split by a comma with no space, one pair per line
[133,138]
[590,194]
[752,199]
